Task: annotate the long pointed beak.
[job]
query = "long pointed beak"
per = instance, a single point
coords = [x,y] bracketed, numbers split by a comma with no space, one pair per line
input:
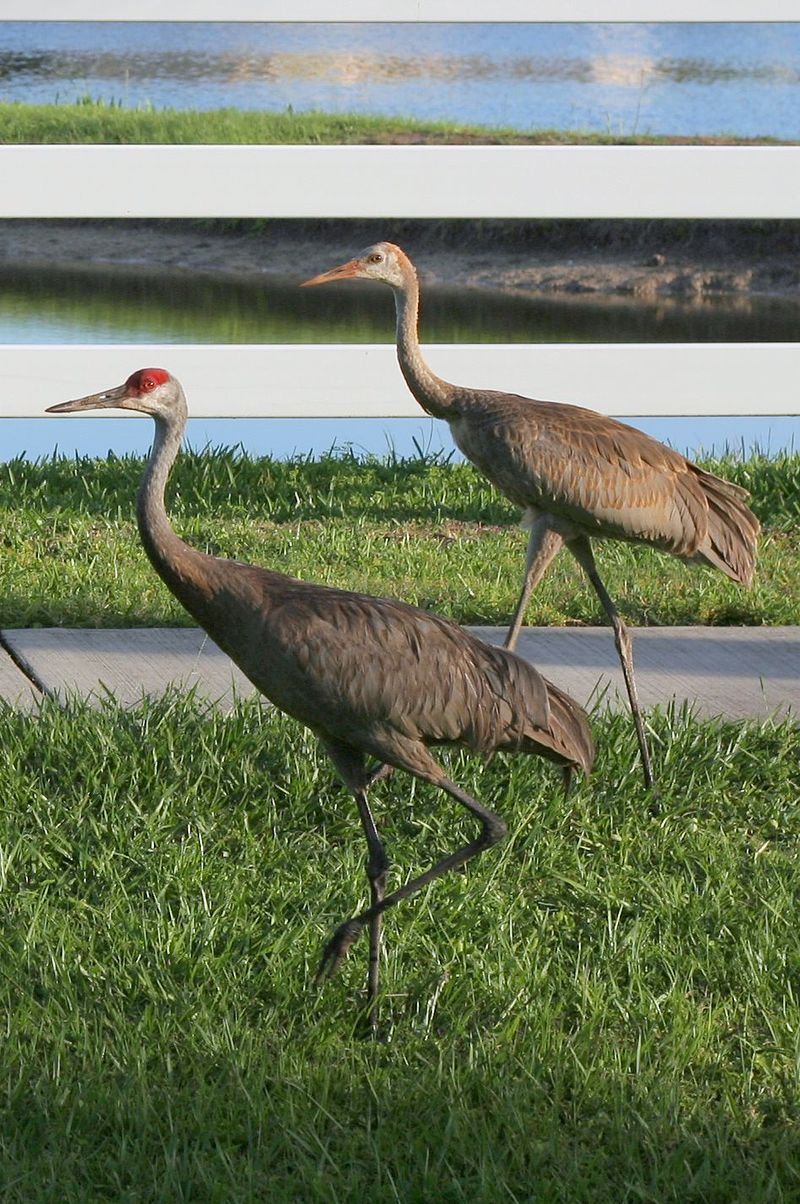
[106,400]
[345,271]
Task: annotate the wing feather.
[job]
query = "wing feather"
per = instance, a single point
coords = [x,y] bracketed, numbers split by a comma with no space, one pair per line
[602,476]
[391,670]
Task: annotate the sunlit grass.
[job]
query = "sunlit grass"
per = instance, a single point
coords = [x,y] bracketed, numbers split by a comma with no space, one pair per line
[433,533]
[90,120]
[604,1008]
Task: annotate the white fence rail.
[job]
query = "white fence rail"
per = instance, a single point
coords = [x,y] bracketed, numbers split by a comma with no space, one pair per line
[335,381]
[400,181]
[401,10]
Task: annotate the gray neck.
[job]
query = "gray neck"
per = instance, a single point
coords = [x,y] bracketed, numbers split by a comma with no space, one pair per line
[172,559]
[433,394]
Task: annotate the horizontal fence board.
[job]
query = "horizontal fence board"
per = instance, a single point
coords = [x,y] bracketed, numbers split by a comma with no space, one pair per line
[400,181]
[401,10]
[358,381]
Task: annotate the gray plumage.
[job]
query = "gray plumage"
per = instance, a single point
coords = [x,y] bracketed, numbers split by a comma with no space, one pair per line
[576,474]
[380,675]
[606,480]
[372,677]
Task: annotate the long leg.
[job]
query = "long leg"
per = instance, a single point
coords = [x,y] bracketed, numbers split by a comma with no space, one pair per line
[543,544]
[493,828]
[350,764]
[377,869]
[582,551]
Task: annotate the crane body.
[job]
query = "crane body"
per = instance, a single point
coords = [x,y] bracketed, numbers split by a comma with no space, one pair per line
[575,474]
[594,477]
[371,677]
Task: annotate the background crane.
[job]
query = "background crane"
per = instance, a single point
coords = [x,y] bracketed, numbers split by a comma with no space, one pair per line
[575,474]
[370,676]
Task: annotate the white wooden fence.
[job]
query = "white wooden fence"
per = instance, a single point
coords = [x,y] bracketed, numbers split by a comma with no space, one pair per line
[331,381]
[401,10]
[423,182]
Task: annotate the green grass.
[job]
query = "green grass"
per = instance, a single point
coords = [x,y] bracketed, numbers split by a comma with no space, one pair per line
[91,121]
[433,533]
[603,1008]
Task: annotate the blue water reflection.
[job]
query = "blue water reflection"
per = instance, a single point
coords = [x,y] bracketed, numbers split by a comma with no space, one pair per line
[287,437]
[680,79]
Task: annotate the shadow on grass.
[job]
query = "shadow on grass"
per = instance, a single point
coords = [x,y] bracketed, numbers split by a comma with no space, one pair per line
[414,1123]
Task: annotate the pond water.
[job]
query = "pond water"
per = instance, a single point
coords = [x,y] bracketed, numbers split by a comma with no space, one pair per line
[131,305]
[287,437]
[623,78]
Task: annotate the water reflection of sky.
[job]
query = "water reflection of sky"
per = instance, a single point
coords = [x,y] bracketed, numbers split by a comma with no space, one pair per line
[285,437]
[677,79]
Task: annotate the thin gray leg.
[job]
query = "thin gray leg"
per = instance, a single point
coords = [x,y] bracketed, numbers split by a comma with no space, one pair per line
[377,870]
[493,828]
[350,764]
[543,545]
[582,551]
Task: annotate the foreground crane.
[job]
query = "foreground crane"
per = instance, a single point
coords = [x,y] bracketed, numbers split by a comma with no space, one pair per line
[370,676]
[575,474]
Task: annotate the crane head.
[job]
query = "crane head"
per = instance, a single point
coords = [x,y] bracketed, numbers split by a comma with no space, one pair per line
[383,261]
[150,390]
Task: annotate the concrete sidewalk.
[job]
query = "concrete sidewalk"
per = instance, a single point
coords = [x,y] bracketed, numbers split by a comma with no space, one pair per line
[736,672]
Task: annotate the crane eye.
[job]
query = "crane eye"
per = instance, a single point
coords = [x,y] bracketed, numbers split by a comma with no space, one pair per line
[375,257]
[148,383]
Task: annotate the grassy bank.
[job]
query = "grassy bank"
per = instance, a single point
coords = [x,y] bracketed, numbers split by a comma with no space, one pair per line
[604,1008]
[97,121]
[432,533]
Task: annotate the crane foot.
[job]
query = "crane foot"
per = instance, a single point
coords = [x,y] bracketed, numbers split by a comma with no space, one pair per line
[337,949]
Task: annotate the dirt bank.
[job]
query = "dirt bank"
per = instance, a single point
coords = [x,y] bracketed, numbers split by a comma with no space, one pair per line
[646,259]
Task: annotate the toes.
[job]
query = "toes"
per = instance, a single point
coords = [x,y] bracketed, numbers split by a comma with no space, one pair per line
[337,949]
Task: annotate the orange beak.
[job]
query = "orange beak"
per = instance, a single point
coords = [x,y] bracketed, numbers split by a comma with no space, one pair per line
[345,271]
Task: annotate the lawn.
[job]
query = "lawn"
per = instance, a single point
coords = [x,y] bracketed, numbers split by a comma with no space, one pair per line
[603,1008]
[430,532]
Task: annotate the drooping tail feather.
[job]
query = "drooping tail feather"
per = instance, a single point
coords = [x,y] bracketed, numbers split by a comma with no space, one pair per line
[569,725]
[540,718]
[733,529]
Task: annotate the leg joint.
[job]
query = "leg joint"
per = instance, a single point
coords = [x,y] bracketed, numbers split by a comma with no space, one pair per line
[494,830]
[377,864]
[622,638]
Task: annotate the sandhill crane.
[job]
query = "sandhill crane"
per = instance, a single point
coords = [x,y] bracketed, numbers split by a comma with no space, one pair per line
[575,474]
[371,677]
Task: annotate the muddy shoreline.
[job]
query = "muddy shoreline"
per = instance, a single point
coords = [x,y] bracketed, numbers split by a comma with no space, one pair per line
[637,260]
